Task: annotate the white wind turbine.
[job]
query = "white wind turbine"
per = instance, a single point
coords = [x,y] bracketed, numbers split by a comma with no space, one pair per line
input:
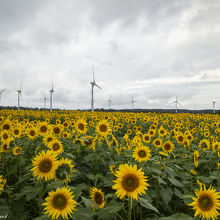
[177,103]
[45,102]
[109,102]
[19,95]
[51,97]
[213,103]
[93,83]
[132,103]
[1,94]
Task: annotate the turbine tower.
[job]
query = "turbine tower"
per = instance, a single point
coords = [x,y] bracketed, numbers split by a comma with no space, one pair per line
[93,83]
[45,100]
[19,96]
[132,103]
[177,103]
[51,97]
[213,103]
[109,102]
[1,94]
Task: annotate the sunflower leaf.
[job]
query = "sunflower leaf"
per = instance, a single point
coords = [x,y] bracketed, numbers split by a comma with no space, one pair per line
[147,205]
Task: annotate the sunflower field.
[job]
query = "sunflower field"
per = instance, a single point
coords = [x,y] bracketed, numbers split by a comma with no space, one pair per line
[113,166]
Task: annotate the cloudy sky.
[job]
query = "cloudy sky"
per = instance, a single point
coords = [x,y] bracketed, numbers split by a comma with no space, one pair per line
[151,50]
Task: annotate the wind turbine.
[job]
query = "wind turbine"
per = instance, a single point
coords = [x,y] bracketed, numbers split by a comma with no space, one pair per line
[19,95]
[51,96]
[1,94]
[109,102]
[177,103]
[93,83]
[45,100]
[213,102]
[132,103]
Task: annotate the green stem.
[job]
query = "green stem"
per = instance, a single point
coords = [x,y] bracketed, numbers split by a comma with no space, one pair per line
[129,208]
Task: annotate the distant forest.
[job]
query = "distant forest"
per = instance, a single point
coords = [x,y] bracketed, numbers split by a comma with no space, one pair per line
[203,111]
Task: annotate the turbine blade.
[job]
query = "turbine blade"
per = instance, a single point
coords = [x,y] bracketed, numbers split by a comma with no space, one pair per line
[97,86]
[2,91]
[21,84]
[93,73]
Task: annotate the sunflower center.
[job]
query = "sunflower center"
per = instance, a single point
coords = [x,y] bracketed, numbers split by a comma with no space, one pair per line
[157,142]
[5,147]
[167,147]
[43,129]
[32,133]
[162,131]
[130,182]
[49,139]
[18,151]
[98,198]
[59,202]
[205,203]
[103,128]
[16,132]
[45,165]
[146,138]
[180,138]
[142,153]
[56,130]
[81,126]
[5,136]
[56,147]
[6,127]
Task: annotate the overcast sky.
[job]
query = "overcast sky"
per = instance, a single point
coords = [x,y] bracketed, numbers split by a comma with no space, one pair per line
[151,50]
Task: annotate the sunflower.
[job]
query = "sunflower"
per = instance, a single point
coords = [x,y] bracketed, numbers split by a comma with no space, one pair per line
[56,146]
[195,157]
[162,131]
[146,138]
[130,181]
[215,145]
[6,125]
[142,154]
[103,128]
[5,135]
[206,203]
[152,132]
[60,203]
[129,131]
[48,138]
[16,131]
[44,165]
[88,141]
[189,137]
[2,183]
[180,138]
[32,133]
[66,134]
[97,198]
[81,126]
[57,130]
[5,146]
[17,150]
[204,144]
[43,128]
[157,142]
[64,169]
[168,146]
